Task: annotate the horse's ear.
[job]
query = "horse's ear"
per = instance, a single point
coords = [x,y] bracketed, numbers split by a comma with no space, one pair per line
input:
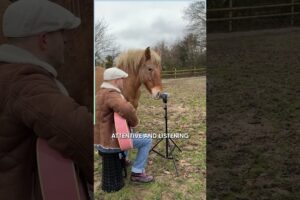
[148,53]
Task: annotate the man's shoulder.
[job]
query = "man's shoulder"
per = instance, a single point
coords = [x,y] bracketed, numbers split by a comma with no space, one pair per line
[26,77]
[108,91]
[108,94]
[21,69]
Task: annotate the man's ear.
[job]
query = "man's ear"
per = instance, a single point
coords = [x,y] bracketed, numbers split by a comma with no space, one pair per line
[42,41]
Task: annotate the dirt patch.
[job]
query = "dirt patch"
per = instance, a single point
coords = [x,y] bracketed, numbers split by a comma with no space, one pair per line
[253,115]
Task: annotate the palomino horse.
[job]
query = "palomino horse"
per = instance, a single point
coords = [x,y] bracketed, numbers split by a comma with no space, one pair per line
[143,67]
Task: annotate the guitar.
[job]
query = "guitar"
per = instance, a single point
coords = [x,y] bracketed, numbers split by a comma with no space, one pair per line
[122,129]
[57,175]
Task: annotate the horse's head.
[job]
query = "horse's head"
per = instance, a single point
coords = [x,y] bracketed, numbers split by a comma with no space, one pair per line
[143,67]
[149,72]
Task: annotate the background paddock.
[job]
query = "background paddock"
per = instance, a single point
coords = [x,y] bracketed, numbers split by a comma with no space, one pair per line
[187,114]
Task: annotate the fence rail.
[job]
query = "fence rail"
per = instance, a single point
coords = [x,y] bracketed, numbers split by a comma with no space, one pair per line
[177,73]
[254,7]
[231,10]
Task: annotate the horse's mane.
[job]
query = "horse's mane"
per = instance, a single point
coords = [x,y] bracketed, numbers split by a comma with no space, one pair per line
[130,60]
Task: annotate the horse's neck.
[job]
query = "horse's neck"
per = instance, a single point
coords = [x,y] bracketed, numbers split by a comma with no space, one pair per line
[132,90]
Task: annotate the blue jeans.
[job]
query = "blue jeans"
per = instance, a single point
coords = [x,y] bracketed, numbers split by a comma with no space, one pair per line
[143,144]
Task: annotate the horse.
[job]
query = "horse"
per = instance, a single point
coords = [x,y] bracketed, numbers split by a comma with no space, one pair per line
[143,68]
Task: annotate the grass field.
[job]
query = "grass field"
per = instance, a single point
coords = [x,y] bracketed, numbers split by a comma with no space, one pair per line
[187,114]
[253,115]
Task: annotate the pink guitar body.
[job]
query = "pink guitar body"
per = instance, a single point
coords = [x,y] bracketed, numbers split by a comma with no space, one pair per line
[121,129]
[57,175]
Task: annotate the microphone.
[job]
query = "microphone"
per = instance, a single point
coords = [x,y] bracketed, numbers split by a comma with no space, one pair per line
[164,96]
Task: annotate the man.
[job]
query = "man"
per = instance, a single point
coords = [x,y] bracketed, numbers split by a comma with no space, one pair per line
[109,100]
[33,103]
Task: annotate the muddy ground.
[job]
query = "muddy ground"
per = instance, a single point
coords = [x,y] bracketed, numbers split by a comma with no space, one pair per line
[253,115]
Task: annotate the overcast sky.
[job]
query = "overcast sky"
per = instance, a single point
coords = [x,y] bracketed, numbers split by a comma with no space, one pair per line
[138,24]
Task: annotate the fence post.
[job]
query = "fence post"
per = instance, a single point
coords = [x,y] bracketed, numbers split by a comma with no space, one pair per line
[230,16]
[292,12]
[175,72]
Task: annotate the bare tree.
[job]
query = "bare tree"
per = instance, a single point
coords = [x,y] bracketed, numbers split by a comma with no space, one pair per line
[196,15]
[104,43]
[183,53]
[163,50]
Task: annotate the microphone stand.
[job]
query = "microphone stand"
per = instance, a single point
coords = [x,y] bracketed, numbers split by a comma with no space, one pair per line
[168,148]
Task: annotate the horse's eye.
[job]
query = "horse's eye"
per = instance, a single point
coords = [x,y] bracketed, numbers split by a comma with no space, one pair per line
[150,69]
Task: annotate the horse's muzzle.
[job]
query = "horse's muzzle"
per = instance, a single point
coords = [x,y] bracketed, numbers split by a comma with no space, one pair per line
[157,96]
[155,92]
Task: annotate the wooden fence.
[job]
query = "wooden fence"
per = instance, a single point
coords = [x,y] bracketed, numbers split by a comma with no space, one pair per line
[178,73]
[230,16]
